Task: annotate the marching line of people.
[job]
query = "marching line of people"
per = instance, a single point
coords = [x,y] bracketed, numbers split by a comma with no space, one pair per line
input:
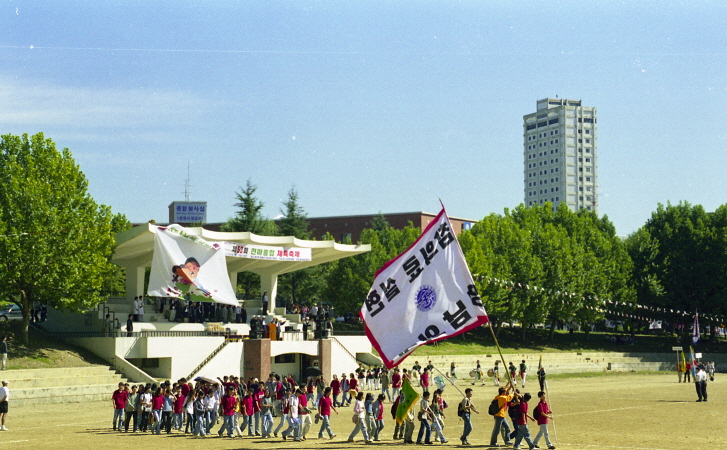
[228,406]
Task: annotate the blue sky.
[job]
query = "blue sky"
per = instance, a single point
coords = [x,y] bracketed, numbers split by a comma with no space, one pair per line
[366,106]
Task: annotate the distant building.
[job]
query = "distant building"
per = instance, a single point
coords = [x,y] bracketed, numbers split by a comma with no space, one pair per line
[186,212]
[350,227]
[560,154]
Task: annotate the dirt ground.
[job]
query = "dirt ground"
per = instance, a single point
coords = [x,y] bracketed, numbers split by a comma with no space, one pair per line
[630,411]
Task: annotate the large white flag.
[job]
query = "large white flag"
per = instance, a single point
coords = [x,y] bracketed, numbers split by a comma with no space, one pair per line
[187,266]
[425,294]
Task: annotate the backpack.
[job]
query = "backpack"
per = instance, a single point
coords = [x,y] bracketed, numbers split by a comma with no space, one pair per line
[494,408]
[514,411]
[460,410]
[536,412]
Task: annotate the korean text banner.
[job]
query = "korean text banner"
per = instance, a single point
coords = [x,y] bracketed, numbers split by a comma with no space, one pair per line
[187,266]
[267,252]
[425,294]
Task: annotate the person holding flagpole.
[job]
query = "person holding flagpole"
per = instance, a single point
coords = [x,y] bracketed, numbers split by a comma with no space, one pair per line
[503,400]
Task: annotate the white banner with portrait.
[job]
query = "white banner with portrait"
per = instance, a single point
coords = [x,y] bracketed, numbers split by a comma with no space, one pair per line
[186,266]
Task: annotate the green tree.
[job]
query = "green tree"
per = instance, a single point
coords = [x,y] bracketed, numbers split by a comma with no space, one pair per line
[299,285]
[57,240]
[680,257]
[295,220]
[546,256]
[348,280]
[115,280]
[249,217]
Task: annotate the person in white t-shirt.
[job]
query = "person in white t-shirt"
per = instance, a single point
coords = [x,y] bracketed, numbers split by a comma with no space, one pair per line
[293,416]
[4,397]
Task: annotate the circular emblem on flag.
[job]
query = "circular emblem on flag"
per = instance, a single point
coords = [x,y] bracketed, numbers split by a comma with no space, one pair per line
[426,298]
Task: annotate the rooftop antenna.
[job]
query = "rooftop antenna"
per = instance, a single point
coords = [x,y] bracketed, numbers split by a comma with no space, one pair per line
[187,185]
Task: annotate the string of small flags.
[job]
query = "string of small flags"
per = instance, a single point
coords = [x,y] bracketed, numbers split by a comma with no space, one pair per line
[568,297]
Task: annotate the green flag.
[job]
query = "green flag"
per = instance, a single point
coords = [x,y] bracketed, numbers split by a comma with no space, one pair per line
[410,398]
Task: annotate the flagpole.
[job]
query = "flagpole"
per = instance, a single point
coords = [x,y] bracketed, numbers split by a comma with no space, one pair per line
[450,380]
[547,395]
[502,358]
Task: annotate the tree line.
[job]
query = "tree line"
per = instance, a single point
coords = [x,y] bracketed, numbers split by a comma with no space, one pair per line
[561,266]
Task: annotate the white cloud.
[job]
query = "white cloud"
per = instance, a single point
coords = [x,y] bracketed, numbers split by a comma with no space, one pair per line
[35,103]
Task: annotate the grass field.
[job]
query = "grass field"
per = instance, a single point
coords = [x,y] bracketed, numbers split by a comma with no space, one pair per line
[624,411]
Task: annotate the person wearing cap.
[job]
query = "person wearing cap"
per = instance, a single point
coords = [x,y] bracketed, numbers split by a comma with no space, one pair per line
[4,396]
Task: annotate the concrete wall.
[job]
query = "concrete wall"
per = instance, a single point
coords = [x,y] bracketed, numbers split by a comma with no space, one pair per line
[282,347]
[230,361]
[343,361]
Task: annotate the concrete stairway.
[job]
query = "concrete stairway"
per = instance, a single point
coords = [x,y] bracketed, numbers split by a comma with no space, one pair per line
[67,385]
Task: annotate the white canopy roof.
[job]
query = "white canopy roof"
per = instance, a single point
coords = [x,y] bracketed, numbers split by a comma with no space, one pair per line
[135,249]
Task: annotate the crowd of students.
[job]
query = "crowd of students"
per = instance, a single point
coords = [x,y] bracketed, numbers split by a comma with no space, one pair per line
[230,406]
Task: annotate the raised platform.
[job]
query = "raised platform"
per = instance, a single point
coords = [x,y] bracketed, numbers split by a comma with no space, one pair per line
[565,362]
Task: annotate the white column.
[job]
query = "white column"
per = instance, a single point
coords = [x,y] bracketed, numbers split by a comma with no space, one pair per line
[134,283]
[233,281]
[269,284]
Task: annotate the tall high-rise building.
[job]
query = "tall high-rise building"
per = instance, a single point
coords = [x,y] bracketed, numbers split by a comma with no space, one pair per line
[560,150]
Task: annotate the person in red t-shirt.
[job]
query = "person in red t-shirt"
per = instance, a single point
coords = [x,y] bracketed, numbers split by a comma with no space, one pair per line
[305,422]
[257,397]
[325,405]
[248,413]
[335,389]
[543,413]
[118,400]
[378,410]
[179,400]
[228,402]
[522,423]
[157,402]
[424,380]
[352,388]
[395,384]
